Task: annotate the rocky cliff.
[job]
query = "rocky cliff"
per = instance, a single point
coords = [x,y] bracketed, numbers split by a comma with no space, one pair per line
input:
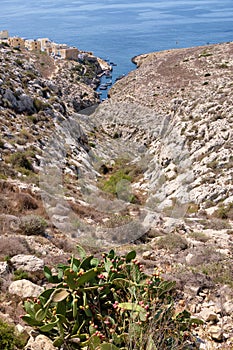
[151,167]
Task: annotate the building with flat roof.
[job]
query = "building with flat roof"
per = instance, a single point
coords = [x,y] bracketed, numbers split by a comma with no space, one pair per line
[70,53]
[16,42]
[56,48]
[33,45]
[45,43]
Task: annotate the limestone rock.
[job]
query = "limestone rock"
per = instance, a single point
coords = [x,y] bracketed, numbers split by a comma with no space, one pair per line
[25,104]
[25,289]
[208,315]
[29,263]
[41,342]
[216,333]
[228,307]
[4,269]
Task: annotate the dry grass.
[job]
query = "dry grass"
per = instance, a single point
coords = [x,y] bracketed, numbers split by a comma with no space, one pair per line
[199,236]
[14,245]
[172,242]
[44,63]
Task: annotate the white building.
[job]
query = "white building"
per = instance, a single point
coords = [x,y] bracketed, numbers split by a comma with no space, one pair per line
[44,43]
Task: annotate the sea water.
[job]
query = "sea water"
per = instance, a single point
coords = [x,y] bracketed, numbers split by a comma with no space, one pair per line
[120,29]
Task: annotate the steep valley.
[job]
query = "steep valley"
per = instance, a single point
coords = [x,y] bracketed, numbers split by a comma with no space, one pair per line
[148,169]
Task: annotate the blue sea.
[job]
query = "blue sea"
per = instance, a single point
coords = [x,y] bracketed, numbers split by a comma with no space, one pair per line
[120,29]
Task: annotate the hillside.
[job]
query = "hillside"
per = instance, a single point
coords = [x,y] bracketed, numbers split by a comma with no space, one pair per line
[148,169]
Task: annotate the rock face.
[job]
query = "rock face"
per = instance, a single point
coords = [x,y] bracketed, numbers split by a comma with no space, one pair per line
[187,121]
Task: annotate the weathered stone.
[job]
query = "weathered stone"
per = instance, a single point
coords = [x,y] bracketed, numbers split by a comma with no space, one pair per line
[10,97]
[4,269]
[147,254]
[208,315]
[228,307]
[25,289]
[216,333]
[29,263]
[41,342]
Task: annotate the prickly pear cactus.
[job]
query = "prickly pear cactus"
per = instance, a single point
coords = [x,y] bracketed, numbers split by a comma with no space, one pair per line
[107,304]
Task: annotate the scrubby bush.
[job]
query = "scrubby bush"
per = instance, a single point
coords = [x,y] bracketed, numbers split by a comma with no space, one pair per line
[109,304]
[224,212]
[32,225]
[20,275]
[14,245]
[40,105]
[20,160]
[172,242]
[199,236]
[26,202]
[110,185]
[9,340]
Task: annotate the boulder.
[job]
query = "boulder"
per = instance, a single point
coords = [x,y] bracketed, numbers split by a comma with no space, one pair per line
[208,315]
[25,104]
[216,333]
[28,263]
[25,289]
[10,97]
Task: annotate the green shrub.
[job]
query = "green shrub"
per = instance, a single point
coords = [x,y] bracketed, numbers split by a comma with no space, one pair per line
[19,62]
[193,208]
[9,340]
[33,118]
[20,275]
[40,105]
[109,304]
[224,212]
[3,176]
[118,183]
[205,53]
[110,185]
[220,272]
[32,225]
[30,75]
[20,160]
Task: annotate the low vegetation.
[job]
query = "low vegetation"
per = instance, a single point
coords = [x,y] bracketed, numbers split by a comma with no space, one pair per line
[9,339]
[224,212]
[32,225]
[117,180]
[172,242]
[109,304]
